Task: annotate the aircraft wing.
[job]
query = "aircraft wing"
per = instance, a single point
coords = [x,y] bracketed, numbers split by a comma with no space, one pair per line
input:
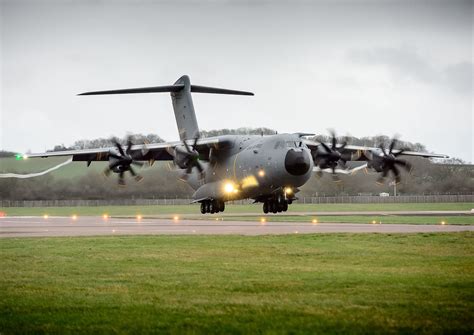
[363,153]
[140,152]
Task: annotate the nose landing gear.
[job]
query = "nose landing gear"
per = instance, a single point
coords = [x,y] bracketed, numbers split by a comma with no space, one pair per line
[212,206]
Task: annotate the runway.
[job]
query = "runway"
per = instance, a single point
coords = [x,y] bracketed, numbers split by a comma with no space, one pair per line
[92,226]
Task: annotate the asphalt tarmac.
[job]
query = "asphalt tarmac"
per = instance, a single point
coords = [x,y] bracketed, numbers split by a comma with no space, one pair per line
[91,226]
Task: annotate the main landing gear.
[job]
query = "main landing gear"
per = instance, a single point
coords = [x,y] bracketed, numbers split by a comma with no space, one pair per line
[276,205]
[212,206]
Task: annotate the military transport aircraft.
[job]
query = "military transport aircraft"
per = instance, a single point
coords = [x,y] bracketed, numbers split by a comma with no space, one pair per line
[268,169]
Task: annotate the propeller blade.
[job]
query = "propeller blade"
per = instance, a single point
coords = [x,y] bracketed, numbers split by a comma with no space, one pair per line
[403,163]
[397,180]
[189,169]
[199,166]
[129,145]
[187,146]
[383,149]
[119,147]
[328,150]
[107,172]
[136,163]
[392,145]
[395,171]
[121,180]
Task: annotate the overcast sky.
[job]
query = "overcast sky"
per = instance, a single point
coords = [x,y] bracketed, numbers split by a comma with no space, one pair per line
[361,67]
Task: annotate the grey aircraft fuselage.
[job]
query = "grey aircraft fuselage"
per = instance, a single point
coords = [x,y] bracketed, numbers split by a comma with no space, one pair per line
[255,166]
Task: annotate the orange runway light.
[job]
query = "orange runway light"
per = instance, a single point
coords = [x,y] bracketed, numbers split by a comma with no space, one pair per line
[374,222]
[314,221]
[3,214]
[443,222]
[74,217]
[176,218]
[45,216]
[139,217]
[105,216]
[263,220]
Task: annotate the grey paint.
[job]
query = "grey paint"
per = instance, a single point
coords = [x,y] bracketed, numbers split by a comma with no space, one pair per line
[184,110]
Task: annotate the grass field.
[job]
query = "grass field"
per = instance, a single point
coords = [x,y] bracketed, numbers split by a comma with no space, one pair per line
[235,209]
[295,215]
[335,283]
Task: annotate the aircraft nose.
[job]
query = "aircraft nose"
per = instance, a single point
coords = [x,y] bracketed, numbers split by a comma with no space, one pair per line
[297,163]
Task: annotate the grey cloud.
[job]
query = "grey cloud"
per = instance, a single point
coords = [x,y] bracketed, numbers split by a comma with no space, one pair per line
[459,77]
[407,62]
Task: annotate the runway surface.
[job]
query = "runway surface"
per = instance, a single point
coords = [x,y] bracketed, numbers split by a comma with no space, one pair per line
[90,226]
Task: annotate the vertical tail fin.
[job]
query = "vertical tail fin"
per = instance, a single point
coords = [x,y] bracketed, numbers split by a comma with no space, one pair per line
[182,101]
[184,110]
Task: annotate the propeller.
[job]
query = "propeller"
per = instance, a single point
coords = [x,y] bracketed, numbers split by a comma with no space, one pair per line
[332,155]
[189,157]
[389,162]
[122,161]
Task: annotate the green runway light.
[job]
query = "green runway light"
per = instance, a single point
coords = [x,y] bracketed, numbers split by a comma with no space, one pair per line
[18,157]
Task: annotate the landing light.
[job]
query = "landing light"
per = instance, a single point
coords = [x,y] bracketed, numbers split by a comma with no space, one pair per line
[261,173]
[288,190]
[229,188]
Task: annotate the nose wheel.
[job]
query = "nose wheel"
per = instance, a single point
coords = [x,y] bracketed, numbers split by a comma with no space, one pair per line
[212,206]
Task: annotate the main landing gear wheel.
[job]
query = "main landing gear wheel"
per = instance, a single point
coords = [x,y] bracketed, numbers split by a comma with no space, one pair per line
[276,205]
[212,206]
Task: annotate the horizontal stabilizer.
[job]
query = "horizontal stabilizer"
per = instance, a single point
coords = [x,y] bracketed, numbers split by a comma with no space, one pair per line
[170,88]
[205,89]
[155,89]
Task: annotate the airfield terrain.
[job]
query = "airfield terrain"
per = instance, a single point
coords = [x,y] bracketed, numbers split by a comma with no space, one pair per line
[183,272]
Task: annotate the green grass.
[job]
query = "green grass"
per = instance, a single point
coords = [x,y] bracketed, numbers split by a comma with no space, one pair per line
[255,208]
[386,219]
[334,283]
